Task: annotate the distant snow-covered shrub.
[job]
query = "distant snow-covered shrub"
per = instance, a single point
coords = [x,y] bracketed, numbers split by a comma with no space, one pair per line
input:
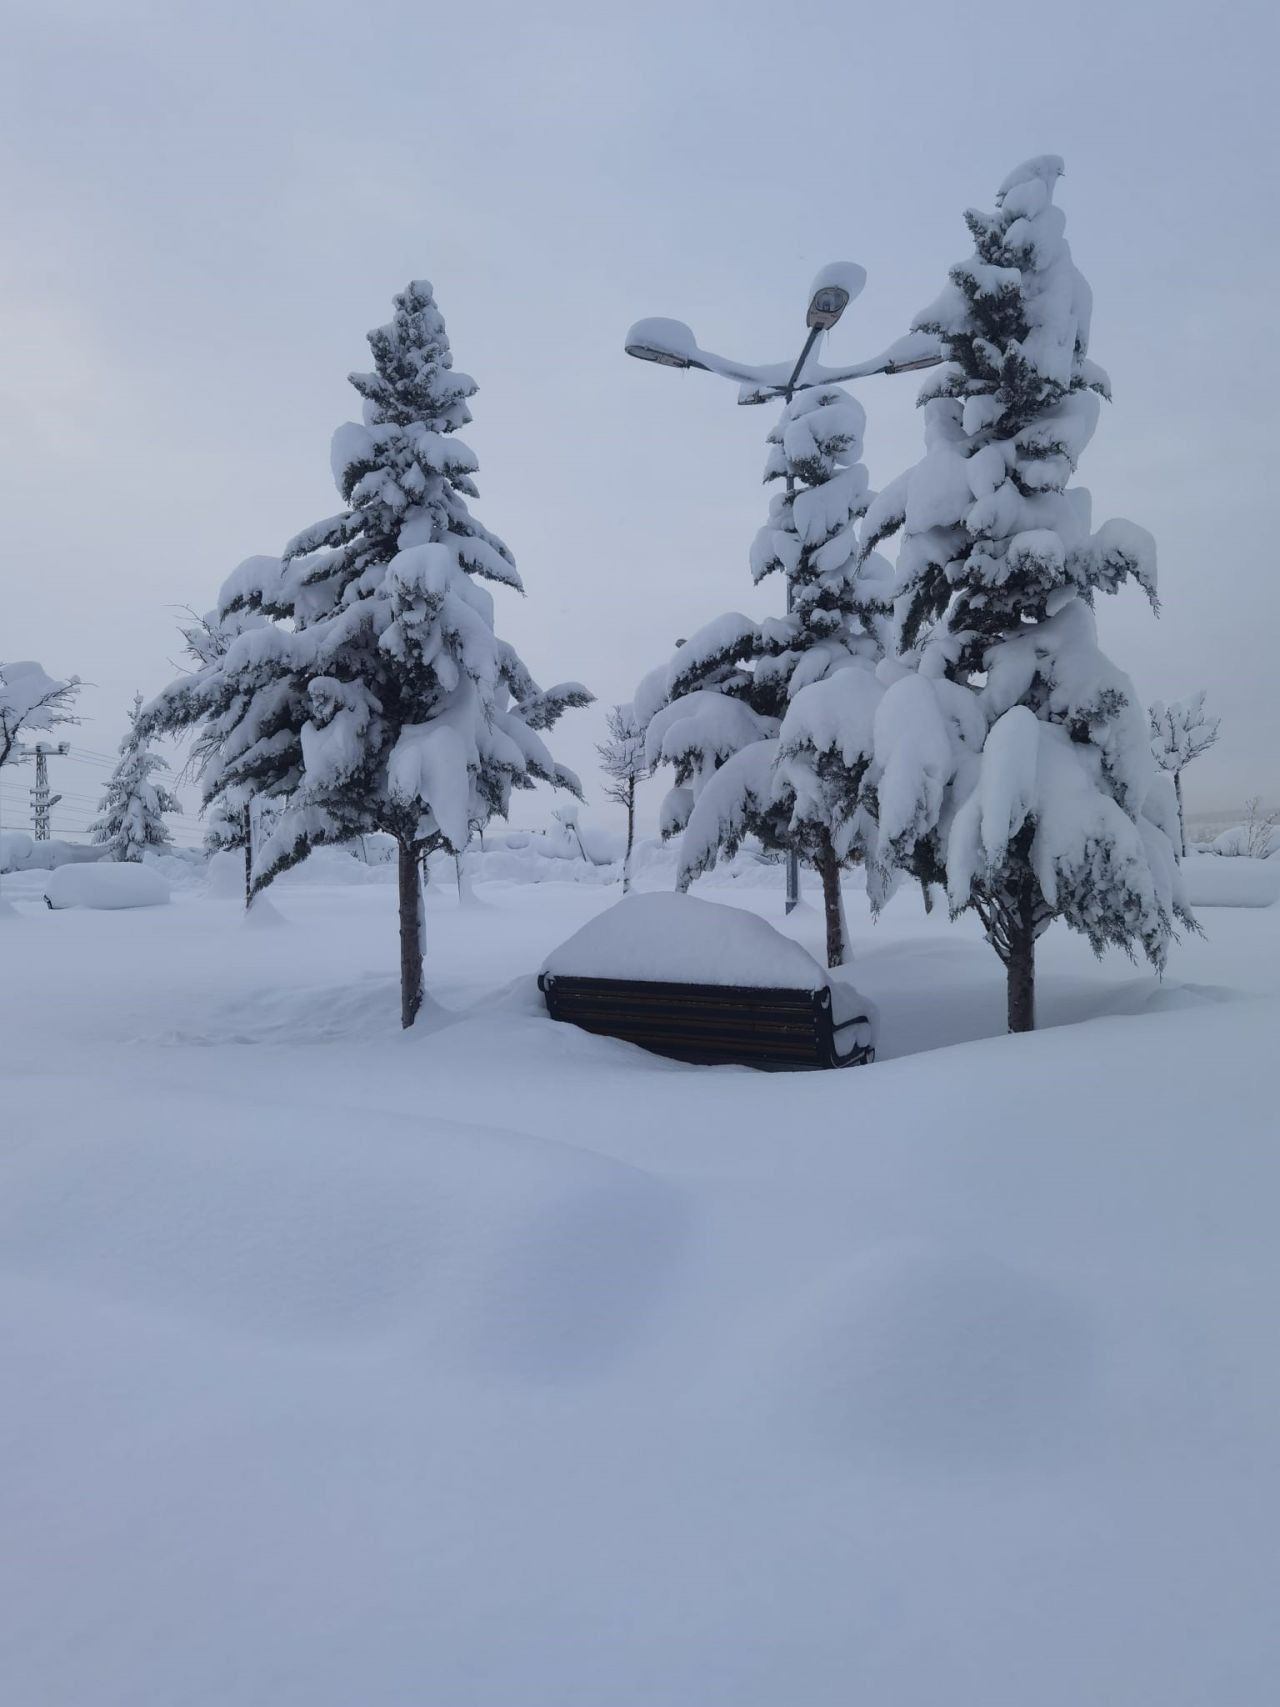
[21,852]
[1257,838]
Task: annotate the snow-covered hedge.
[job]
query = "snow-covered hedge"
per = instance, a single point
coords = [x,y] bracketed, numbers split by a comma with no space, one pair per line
[21,852]
[1241,882]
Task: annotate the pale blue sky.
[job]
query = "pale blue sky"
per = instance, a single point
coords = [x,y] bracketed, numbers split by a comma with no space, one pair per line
[208,207]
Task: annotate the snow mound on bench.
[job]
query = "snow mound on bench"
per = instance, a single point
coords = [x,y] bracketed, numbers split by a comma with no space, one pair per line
[677,939]
[106,885]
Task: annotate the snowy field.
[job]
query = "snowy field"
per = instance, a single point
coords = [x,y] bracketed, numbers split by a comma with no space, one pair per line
[495,1365]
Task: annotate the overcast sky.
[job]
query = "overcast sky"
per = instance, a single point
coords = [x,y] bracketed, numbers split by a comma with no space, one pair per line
[208,206]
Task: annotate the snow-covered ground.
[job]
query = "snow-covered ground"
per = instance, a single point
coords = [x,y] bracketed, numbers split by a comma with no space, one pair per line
[497,1365]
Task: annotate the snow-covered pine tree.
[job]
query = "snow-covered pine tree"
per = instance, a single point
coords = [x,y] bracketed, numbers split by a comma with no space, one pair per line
[728,688]
[131,813]
[1014,757]
[622,761]
[237,706]
[1180,732]
[388,702]
[825,778]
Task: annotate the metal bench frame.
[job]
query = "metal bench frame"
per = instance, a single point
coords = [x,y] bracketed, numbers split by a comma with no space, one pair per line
[709,1024]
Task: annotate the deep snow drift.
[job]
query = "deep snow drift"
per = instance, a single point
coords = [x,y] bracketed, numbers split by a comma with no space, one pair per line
[497,1365]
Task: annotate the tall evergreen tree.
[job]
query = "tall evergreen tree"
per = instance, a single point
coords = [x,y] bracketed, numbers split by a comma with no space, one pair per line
[622,761]
[728,688]
[1014,758]
[825,779]
[382,697]
[131,813]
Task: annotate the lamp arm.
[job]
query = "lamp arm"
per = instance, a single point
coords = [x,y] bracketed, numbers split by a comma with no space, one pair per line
[772,374]
[904,355]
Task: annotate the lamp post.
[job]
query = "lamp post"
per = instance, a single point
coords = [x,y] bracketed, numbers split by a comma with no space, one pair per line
[42,802]
[670,343]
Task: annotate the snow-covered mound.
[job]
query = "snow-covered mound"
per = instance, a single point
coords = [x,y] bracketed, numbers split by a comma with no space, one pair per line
[106,885]
[333,865]
[1212,881]
[507,1255]
[225,881]
[678,939]
[181,868]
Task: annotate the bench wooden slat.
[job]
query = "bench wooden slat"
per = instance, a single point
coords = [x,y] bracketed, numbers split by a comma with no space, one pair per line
[706,1023]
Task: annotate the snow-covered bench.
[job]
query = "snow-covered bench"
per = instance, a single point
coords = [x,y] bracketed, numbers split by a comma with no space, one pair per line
[705,983]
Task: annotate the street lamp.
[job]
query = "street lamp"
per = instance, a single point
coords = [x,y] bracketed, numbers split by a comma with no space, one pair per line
[670,343]
[667,342]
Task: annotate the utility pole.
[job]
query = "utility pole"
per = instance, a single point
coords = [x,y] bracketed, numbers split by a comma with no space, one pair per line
[42,802]
[670,343]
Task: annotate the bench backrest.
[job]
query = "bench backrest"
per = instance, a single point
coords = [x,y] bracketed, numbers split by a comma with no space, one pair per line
[706,1023]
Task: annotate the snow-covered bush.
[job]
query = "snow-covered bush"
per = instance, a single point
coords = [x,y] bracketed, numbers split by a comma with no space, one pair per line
[377,695]
[1014,758]
[131,812]
[1180,732]
[1257,838]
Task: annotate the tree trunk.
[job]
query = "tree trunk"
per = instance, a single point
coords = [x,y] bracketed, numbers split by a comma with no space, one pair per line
[1021,970]
[631,833]
[829,871]
[1182,828]
[928,895]
[410,933]
[248,859]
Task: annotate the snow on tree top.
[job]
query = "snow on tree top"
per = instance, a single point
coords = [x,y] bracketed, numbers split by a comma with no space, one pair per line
[1044,169]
